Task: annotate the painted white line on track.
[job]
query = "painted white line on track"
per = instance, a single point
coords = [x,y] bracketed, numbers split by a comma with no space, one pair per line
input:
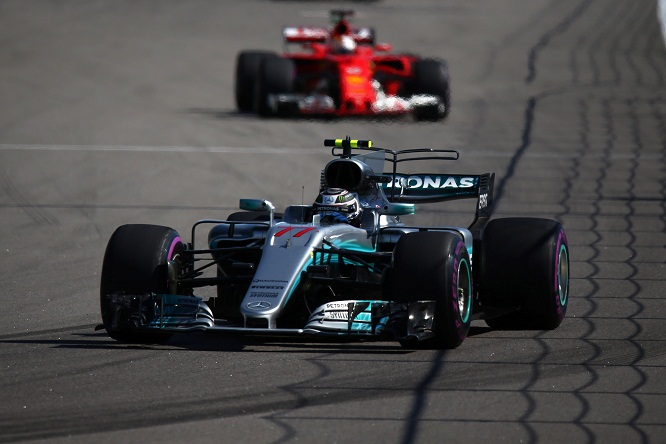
[201,149]
[272,150]
[152,149]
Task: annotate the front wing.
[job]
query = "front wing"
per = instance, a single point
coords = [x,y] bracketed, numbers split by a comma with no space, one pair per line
[320,104]
[352,318]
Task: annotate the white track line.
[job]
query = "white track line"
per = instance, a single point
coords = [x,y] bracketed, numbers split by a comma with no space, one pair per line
[152,149]
[272,150]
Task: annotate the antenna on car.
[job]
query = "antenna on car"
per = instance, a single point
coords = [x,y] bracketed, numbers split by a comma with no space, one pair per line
[303,203]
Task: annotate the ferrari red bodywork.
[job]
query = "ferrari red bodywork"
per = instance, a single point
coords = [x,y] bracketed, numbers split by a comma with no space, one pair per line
[363,78]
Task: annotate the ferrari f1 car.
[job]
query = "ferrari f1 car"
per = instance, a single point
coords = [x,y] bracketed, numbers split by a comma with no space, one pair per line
[342,72]
[373,276]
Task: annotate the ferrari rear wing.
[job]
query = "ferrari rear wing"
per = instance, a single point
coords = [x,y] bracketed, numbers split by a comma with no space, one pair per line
[313,34]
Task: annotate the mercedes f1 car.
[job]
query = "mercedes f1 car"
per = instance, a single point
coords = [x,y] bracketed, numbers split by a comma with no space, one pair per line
[364,274]
[341,72]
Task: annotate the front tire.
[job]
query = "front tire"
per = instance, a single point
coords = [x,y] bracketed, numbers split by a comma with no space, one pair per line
[431,77]
[276,76]
[247,69]
[435,266]
[525,265]
[136,262]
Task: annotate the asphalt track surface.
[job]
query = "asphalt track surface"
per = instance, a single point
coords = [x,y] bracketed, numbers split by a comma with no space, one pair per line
[116,112]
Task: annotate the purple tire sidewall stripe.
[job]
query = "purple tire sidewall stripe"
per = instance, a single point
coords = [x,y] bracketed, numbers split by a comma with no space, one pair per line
[176,240]
[460,323]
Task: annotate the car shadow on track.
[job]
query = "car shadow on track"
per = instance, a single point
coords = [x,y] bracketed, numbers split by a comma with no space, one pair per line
[202,341]
[229,114]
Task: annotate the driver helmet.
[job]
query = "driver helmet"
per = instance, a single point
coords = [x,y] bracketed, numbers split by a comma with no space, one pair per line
[343,44]
[337,205]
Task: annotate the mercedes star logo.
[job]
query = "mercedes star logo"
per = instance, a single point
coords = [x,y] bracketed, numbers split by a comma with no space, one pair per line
[259,305]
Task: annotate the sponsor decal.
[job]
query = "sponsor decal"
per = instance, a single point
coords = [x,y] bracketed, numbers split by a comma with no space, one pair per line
[483,201]
[269,287]
[260,294]
[337,306]
[259,305]
[337,315]
[432,182]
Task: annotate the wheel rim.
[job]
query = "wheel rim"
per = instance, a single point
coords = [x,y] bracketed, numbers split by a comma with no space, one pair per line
[563,275]
[173,265]
[464,291]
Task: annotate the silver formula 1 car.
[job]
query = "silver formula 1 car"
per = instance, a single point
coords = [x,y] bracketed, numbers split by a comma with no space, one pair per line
[301,272]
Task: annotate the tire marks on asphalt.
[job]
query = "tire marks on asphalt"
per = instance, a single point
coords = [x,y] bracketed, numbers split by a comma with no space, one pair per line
[545,39]
[609,121]
[37,214]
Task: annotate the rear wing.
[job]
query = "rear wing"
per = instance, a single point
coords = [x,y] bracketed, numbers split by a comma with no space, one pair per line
[314,34]
[421,187]
[417,188]
[427,187]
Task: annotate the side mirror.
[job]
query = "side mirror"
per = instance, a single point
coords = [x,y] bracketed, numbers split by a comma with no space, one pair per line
[383,47]
[258,205]
[400,209]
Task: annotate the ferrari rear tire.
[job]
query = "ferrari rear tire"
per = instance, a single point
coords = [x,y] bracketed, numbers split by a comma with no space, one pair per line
[276,76]
[525,265]
[136,262]
[247,68]
[435,266]
[431,77]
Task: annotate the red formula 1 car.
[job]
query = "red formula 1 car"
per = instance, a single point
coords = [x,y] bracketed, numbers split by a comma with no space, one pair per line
[342,72]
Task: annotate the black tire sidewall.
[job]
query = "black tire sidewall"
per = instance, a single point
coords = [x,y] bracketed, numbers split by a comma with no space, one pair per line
[276,76]
[247,68]
[135,262]
[519,267]
[425,267]
[431,77]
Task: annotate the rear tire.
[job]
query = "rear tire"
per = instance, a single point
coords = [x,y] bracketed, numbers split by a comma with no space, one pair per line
[136,263]
[525,264]
[276,76]
[435,266]
[431,77]
[247,68]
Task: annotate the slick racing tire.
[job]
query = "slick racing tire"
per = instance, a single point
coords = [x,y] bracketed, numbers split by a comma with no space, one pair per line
[276,76]
[431,77]
[136,262]
[247,68]
[525,265]
[435,266]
